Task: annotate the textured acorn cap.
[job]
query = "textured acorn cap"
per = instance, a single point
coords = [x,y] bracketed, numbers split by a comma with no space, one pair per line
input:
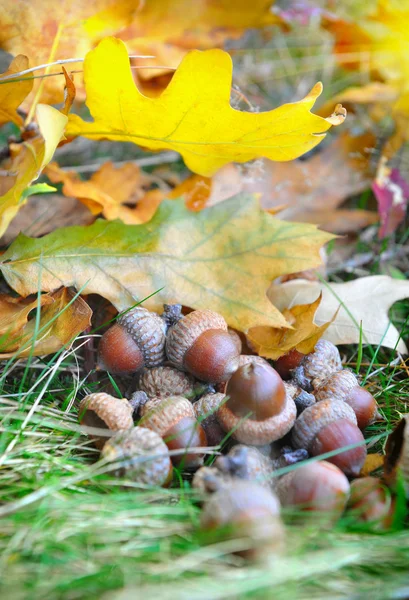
[258,433]
[246,359]
[323,361]
[314,418]
[105,411]
[148,331]
[337,386]
[210,480]
[397,455]
[160,415]
[206,414]
[143,454]
[162,382]
[185,332]
[246,462]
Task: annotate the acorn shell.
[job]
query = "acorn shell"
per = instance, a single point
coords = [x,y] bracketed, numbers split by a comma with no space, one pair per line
[106,412]
[337,386]
[143,454]
[161,414]
[396,463]
[185,332]
[322,362]
[206,414]
[148,331]
[246,359]
[314,418]
[162,382]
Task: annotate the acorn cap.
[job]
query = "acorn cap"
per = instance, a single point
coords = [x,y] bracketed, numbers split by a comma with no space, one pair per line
[397,455]
[317,416]
[143,454]
[161,415]
[246,462]
[105,412]
[185,332]
[148,331]
[246,359]
[162,382]
[206,414]
[209,480]
[258,433]
[323,361]
[337,386]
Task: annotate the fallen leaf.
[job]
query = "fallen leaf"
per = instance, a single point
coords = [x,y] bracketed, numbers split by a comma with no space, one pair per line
[340,221]
[193,115]
[62,319]
[273,342]
[12,92]
[221,258]
[366,300]
[372,463]
[69,93]
[106,191]
[27,162]
[392,194]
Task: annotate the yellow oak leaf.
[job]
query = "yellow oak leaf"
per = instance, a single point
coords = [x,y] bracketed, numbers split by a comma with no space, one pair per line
[12,92]
[223,258]
[273,342]
[193,115]
[27,162]
[62,318]
[106,191]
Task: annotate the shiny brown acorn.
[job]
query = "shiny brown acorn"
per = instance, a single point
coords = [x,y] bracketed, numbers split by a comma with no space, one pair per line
[329,426]
[200,344]
[258,410]
[371,502]
[104,411]
[135,341]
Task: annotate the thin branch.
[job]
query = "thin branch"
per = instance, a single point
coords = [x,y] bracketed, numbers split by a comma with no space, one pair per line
[146,161]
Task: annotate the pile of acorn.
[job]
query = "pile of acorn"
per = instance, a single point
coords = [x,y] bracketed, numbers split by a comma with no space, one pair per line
[194,391]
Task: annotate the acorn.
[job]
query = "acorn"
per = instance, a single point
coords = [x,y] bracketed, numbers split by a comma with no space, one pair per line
[396,465]
[344,385]
[302,399]
[249,513]
[103,411]
[136,340]
[316,486]
[317,365]
[162,382]
[246,462]
[258,410]
[206,414]
[200,344]
[327,426]
[286,364]
[143,456]
[175,421]
[371,502]
[244,359]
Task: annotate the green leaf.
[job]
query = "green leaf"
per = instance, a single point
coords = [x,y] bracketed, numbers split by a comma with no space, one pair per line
[222,258]
[37,188]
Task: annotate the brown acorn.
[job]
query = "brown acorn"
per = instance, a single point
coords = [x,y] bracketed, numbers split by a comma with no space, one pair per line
[206,414]
[286,364]
[143,456]
[316,486]
[318,365]
[247,512]
[162,382]
[175,421]
[327,426]
[258,410]
[364,406]
[200,344]
[103,411]
[136,340]
[396,465]
[371,502]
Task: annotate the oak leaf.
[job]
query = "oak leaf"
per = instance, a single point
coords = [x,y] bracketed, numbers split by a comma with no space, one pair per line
[63,316]
[27,162]
[106,191]
[365,301]
[193,115]
[222,258]
[12,92]
[273,342]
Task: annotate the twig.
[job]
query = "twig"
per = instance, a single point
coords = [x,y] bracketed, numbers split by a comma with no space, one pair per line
[148,161]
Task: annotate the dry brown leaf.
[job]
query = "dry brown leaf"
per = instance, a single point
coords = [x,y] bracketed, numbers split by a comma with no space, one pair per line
[372,463]
[366,300]
[273,342]
[61,320]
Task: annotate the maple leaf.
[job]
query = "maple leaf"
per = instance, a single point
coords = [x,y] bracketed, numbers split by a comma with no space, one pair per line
[27,161]
[106,191]
[12,92]
[62,317]
[193,115]
[365,301]
[222,258]
[273,342]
